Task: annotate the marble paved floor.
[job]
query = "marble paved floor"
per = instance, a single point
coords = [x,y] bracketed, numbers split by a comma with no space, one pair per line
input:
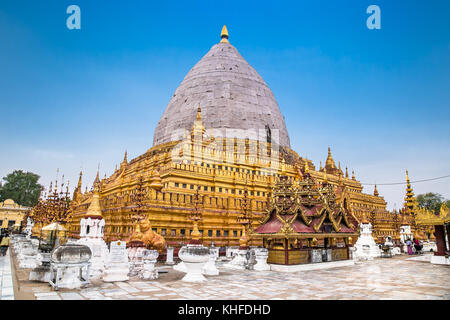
[6,282]
[395,278]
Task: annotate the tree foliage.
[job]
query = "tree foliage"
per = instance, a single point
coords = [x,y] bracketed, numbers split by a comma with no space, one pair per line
[22,187]
[431,201]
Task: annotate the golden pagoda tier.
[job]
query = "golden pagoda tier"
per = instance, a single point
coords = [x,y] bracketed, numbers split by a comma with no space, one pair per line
[180,166]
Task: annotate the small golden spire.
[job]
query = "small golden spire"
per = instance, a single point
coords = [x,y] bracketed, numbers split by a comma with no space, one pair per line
[346,172]
[375,191]
[199,113]
[364,219]
[125,158]
[325,178]
[97,179]
[353,175]
[321,168]
[407,176]
[306,167]
[79,181]
[329,163]
[94,210]
[224,35]
[283,167]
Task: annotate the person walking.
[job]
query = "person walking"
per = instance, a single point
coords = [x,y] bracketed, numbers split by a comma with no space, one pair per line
[417,246]
[4,244]
[409,245]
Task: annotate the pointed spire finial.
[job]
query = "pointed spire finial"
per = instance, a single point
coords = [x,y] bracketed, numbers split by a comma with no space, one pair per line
[375,191]
[346,172]
[199,113]
[224,34]
[353,175]
[125,158]
[306,167]
[79,181]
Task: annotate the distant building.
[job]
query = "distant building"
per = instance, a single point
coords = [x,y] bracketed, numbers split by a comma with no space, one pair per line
[12,213]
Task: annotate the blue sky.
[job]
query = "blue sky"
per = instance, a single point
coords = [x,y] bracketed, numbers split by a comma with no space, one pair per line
[378,98]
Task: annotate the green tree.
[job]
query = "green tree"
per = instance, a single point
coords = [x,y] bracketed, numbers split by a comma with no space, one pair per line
[22,187]
[431,201]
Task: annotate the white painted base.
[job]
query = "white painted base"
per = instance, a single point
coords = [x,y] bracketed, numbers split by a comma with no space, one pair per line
[311,266]
[440,260]
[42,271]
[180,267]
[69,279]
[28,262]
[40,274]
[194,273]
[149,272]
[365,247]
[116,272]
[261,255]
[210,267]
[239,261]
[99,256]
[194,257]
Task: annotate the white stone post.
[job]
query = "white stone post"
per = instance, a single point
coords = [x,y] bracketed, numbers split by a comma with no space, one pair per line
[210,267]
[149,272]
[239,261]
[117,266]
[169,256]
[261,255]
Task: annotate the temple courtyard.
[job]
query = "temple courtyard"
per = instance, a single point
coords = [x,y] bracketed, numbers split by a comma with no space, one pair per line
[400,277]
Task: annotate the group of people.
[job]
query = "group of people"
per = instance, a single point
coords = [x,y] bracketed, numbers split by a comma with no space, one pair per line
[4,242]
[414,247]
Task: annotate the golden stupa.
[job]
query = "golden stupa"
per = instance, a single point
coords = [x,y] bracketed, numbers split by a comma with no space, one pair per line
[222,132]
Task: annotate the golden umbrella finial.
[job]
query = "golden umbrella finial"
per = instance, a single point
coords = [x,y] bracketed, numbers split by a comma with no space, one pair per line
[199,113]
[224,35]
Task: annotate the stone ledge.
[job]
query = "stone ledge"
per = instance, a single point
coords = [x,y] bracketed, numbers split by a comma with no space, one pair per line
[311,266]
[440,260]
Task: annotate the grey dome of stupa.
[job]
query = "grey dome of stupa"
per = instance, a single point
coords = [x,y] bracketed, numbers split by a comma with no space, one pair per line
[234,100]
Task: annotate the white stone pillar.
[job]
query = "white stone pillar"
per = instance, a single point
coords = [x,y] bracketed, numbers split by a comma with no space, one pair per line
[169,256]
[239,261]
[261,255]
[210,267]
[136,261]
[117,266]
[149,272]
